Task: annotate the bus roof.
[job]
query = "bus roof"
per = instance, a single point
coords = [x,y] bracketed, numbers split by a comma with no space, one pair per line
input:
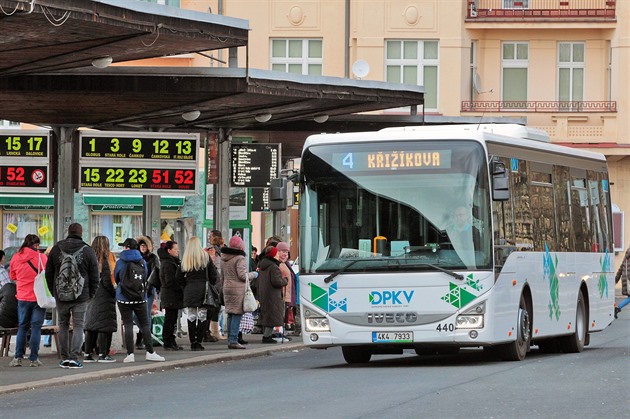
[506,134]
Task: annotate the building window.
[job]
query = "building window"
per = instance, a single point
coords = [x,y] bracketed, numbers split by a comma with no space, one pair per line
[570,73]
[514,64]
[18,224]
[414,62]
[299,56]
[173,3]
[515,4]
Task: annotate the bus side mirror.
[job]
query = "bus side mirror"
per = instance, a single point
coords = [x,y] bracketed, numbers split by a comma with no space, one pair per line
[500,182]
[278,194]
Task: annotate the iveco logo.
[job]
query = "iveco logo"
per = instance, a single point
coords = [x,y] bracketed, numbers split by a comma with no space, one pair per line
[408,317]
[390,297]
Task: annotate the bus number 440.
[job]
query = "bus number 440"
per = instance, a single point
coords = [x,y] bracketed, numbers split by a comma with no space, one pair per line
[445,327]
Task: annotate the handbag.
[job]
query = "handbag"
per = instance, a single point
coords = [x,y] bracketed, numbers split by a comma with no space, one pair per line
[154,278]
[44,298]
[249,302]
[211,298]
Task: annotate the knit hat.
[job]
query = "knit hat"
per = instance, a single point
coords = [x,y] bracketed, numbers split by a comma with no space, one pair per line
[236,242]
[282,246]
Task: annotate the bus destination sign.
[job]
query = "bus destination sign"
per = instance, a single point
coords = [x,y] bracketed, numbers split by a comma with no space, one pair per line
[367,161]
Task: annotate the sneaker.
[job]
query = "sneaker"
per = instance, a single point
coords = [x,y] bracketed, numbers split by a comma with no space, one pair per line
[64,364]
[16,362]
[268,339]
[106,358]
[36,363]
[129,358]
[617,311]
[74,364]
[140,346]
[88,358]
[154,357]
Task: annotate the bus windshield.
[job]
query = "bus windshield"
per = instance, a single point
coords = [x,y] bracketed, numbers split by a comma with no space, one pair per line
[395,205]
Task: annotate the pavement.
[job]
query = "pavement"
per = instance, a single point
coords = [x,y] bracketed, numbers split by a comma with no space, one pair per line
[16,379]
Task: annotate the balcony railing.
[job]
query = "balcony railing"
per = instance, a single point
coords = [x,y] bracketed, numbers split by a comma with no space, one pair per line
[538,106]
[541,9]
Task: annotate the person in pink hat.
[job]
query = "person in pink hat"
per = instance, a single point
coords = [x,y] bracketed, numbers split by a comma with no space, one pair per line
[234,268]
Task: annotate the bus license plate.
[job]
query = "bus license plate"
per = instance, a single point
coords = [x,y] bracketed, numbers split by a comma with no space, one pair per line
[395,337]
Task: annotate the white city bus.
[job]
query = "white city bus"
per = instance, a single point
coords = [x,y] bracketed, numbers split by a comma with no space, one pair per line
[436,238]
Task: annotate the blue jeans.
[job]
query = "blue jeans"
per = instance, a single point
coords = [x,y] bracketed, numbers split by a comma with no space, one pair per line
[624,303]
[233,325]
[71,350]
[30,315]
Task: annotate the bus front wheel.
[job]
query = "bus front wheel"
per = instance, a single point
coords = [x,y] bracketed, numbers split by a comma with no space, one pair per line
[516,351]
[356,354]
[575,342]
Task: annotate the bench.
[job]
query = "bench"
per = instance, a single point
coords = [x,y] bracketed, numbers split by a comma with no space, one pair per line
[7,332]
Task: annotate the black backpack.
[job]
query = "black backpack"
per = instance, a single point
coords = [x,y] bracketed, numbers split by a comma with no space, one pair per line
[134,282]
[69,281]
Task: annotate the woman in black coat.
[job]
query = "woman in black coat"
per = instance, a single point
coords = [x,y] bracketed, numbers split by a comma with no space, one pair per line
[270,285]
[100,317]
[171,292]
[195,273]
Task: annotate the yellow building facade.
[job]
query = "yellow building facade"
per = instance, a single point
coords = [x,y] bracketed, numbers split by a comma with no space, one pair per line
[561,64]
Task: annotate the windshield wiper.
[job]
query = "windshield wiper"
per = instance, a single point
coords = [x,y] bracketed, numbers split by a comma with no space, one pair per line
[337,272]
[332,276]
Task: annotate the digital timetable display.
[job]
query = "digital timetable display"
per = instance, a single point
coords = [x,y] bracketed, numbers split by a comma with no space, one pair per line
[13,145]
[392,160]
[138,147]
[24,161]
[147,163]
[137,178]
[23,176]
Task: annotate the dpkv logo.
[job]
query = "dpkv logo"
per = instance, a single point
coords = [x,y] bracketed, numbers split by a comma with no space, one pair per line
[390,297]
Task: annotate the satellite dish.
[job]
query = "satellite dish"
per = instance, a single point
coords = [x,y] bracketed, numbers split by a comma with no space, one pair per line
[360,68]
[477,84]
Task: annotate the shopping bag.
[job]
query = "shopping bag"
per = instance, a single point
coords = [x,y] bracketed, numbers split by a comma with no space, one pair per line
[42,293]
[157,325]
[249,302]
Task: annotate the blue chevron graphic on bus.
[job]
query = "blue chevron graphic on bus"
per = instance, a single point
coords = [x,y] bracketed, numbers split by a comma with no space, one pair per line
[392,297]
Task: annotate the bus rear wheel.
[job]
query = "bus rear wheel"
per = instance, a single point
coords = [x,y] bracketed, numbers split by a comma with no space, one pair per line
[516,351]
[356,354]
[575,342]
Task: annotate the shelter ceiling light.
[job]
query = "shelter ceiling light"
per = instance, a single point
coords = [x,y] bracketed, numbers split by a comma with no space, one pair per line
[102,62]
[191,115]
[263,117]
[320,119]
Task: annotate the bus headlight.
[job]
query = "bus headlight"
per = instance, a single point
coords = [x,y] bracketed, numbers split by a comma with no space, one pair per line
[317,324]
[469,321]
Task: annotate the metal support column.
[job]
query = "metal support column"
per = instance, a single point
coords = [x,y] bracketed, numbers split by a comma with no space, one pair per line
[151,217]
[221,215]
[63,187]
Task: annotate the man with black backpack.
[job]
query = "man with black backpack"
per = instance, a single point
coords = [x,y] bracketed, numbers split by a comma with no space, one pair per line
[72,274]
[131,276]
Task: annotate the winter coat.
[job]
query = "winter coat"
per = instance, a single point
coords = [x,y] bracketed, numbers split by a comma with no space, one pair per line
[623,273]
[171,291]
[152,260]
[88,266]
[234,269]
[101,311]
[270,284]
[126,256]
[195,284]
[24,274]
[8,306]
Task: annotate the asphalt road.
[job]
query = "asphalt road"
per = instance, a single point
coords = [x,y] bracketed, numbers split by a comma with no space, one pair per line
[307,383]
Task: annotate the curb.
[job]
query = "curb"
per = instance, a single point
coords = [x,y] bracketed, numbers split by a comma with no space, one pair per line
[150,367]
